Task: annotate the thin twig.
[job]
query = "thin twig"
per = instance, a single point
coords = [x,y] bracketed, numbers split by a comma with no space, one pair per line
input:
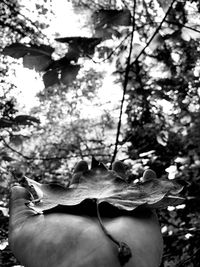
[51,158]
[111,53]
[124,85]
[183,25]
[14,150]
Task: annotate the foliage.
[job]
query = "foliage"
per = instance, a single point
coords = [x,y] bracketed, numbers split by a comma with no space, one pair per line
[154,46]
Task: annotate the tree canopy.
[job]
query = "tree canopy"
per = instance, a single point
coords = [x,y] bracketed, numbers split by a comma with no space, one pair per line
[152,50]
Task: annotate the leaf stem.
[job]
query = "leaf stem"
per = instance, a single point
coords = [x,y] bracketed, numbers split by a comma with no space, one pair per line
[103,227]
[124,252]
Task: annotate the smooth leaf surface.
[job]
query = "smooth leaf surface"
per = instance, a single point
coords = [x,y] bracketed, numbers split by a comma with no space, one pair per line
[34,57]
[69,73]
[108,186]
[25,120]
[39,63]
[50,78]
[18,50]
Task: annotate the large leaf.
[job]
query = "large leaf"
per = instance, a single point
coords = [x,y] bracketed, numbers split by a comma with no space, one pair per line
[65,74]
[37,57]
[25,120]
[112,17]
[39,62]
[80,45]
[4,123]
[18,120]
[69,73]
[50,78]
[16,50]
[109,186]
[106,22]
[55,71]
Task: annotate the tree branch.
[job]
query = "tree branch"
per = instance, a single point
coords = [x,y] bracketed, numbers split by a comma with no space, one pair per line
[156,31]
[124,86]
[14,150]
[183,25]
[129,64]
[111,53]
[52,158]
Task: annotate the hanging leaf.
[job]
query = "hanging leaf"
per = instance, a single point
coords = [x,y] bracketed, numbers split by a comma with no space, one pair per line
[57,65]
[106,22]
[106,33]
[50,78]
[69,73]
[80,45]
[4,123]
[25,120]
[112,17]
[103,185]
[34,57]
[16,50]
[72,54]
[39,63]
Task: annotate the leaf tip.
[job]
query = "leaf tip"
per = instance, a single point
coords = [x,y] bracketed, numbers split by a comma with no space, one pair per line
[97,165]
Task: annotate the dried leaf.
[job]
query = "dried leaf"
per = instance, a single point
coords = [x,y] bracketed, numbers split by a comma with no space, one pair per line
[106,186]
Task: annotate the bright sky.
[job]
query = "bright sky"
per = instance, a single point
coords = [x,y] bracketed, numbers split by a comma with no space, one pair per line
[65,23]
